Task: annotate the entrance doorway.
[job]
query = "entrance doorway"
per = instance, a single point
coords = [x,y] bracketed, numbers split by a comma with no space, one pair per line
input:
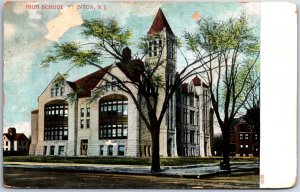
[84,147]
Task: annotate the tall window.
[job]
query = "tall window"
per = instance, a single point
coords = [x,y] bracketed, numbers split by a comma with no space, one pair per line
[185,136]
[192,137]
[110,150]
[56,121]
[113,117]
[192,117]
[51,150]
[121,150]
[61,150]
[101,150]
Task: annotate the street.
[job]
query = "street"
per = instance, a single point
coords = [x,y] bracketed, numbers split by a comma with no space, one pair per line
[38,178]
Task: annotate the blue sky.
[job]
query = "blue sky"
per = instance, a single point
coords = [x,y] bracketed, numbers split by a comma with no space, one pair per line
[25,43]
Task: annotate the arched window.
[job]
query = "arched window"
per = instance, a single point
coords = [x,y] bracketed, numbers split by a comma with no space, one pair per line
[56,120]
[113,117]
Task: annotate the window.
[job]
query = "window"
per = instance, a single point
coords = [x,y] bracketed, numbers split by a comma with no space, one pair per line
[255,137]
[88,112]
[121,150]
[113,117]
[241,146]
[61,150]
[56,121]
[246,136]
[197,118]
[241,136]
[57,90]
[45,150]
[51,150]
[81,123]
[192,136]
[198,137]
[88,123]
[185,114]
[155,48]
[150,49]
[110,150]
[6,143]
[192,100]
[192,117]
[185,136]
[192,151]
[101,150]
[246,146]
[81,112]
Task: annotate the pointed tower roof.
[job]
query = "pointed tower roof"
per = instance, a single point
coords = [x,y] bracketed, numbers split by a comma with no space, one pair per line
[159,23]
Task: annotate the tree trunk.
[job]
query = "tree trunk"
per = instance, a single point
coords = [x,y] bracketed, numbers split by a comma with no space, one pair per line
[225,164]
[155,166]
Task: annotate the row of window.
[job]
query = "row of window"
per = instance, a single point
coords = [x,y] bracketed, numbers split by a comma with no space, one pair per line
[113,131]
[188,116]
[57,90]
[61,150]
[111,86]
[85,114]
[56,111]
[189,151]
[113,108]
[56,133]
[190,134]
[110,149]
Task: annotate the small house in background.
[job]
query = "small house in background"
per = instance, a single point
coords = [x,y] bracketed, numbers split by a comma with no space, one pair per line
[244,141]
[15,143]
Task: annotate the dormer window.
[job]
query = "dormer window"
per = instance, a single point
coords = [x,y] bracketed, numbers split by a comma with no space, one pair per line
[57,90]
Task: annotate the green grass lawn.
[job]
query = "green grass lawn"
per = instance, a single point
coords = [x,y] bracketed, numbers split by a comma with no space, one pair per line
[125,160]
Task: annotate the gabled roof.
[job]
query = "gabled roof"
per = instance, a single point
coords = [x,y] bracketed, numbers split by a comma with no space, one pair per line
[18,136]
[196,81]
[184,88]
[84,85]
[159,23]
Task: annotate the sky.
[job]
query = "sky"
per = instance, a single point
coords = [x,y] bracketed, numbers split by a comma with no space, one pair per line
[31,29]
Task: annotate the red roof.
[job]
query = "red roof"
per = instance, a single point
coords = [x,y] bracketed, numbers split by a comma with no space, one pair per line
[196,81]
[86,84]
[18,136]
[89,82]
[159,23]
[184,87]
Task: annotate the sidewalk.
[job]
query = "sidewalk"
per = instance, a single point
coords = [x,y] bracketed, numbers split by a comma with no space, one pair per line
[189,171]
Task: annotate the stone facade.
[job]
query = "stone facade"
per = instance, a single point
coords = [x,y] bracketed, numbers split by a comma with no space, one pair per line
[111,125]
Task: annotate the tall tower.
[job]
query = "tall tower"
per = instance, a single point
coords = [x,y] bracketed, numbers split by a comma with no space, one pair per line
[162,48]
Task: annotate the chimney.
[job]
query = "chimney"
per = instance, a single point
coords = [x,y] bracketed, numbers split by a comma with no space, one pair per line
[126,55]
[12,131]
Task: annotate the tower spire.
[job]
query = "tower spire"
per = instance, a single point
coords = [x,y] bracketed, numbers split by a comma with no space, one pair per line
[159,23]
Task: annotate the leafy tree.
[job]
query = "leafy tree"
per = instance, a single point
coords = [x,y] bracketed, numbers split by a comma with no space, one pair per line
[229,75]
[105,39]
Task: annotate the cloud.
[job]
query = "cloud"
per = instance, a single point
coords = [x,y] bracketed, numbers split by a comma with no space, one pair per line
[68,18]
[9,30]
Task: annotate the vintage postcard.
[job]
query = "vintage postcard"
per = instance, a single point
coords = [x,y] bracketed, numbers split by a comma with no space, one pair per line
[140,95]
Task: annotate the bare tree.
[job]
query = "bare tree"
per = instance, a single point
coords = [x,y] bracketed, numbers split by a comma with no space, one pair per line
[229,84]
